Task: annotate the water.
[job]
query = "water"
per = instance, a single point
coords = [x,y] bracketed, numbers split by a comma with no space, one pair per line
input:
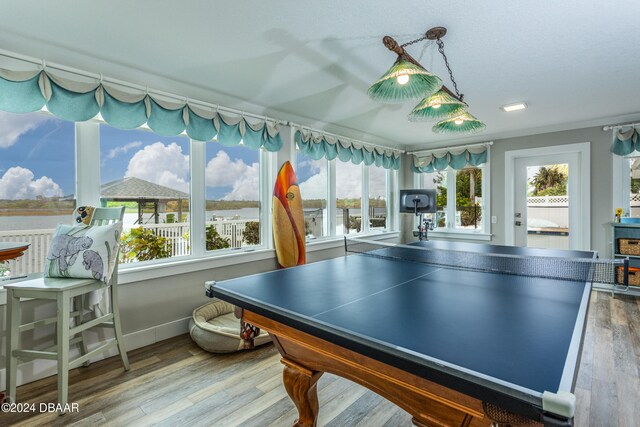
[10,223]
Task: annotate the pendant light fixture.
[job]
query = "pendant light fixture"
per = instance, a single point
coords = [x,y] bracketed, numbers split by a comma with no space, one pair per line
[407,79]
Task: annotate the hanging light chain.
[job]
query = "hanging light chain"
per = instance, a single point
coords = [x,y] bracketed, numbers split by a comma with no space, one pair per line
[413,41]
[446,62]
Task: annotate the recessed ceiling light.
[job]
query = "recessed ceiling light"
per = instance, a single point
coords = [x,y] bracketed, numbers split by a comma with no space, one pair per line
[514,107]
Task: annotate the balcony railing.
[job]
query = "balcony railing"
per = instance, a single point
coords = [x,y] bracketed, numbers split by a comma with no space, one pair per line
[34,258]
[176,234]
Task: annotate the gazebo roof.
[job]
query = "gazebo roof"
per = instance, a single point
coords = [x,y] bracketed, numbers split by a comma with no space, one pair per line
[138,189]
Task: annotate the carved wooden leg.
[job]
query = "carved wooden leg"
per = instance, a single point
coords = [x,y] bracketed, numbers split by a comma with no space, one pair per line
[301,385]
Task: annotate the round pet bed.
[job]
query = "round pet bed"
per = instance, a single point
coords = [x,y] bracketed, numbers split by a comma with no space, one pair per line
[215,328]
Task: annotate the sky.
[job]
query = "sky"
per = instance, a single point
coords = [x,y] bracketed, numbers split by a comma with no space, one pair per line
[37,158]
[312,178]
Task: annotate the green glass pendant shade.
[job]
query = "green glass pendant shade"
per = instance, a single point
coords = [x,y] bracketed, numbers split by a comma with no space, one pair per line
[466,124]
[420,82]
[440,105]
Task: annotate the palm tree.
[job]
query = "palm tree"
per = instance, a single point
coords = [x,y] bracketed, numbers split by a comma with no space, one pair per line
[552,179]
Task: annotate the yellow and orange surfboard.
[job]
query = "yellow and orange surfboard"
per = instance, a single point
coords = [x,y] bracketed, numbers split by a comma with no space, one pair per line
[288,219]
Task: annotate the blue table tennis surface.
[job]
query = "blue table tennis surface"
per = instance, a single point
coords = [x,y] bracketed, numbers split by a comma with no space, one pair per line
[513,329]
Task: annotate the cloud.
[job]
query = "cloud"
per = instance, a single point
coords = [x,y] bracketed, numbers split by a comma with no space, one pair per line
[313,165]
[18,183]
[161,164]
[315,187]
[377,182]
[15,125]
[349,177]
[123,149]
[244,179]
[246,186]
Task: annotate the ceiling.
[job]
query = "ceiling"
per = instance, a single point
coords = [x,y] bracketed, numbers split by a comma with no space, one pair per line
[576,63]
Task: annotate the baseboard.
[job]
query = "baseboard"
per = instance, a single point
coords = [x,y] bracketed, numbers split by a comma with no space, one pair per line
[38,369]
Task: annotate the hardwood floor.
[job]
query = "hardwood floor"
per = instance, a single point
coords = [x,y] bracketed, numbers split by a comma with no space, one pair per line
[174,383]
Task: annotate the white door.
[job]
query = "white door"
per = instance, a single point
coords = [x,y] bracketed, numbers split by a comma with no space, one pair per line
[554,215]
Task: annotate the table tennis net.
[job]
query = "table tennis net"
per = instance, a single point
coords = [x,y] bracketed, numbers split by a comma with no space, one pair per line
[574,269]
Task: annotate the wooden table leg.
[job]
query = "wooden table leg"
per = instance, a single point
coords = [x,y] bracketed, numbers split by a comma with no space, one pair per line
[301,385]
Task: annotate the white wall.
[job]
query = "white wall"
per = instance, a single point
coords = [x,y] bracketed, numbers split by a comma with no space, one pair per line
[601,181]
[601,178]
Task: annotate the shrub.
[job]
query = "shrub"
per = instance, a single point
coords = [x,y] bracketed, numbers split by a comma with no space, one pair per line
[354,223]
[469,213]
[143,245]
[4,269]
[214,240]
[251,233]
[378,222]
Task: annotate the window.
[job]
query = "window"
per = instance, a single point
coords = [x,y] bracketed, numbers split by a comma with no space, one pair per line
[378,208]
[348,198]
[313,182]
[351,183]
[37,183]
[149,175]
[629,198]
[232,180]
[466,212]
[469,199]
[437,181]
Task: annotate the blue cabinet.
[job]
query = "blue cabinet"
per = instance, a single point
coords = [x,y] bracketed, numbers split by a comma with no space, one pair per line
[625,230]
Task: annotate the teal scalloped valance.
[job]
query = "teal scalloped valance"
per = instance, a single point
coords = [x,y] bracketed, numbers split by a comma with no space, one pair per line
[24,92]
[625,142]
[439,161]
[321,146]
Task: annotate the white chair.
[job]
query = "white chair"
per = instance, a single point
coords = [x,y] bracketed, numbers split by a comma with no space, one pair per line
[63,291]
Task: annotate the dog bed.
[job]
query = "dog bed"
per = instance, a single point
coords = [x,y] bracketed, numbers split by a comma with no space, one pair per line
[215,328]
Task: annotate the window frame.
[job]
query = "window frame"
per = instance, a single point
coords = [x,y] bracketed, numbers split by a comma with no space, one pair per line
[88,182]
[391,179]
[450,230]
[387,195]
[87,151]
[621,182]
[327,221]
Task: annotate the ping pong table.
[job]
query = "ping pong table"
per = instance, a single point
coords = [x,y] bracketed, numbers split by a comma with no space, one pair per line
[451,346]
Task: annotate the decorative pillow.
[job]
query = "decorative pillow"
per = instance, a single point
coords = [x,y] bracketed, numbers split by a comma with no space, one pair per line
[84,214]
[82,251]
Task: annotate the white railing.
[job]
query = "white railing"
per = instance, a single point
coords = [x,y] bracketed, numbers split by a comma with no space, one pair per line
[232,230]
[33,261]
[175,235]
[548,201]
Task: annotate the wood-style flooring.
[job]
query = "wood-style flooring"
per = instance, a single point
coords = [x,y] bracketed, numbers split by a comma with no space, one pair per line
[174,383]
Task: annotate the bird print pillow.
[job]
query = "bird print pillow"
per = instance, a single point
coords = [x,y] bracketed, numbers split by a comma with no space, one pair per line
[82,251]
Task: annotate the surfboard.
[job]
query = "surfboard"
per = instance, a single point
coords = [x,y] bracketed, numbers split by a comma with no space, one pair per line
[288,219]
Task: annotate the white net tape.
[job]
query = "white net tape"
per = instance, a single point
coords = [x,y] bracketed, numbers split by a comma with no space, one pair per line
[574,269]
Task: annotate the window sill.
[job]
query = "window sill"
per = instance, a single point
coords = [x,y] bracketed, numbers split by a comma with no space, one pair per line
[189,265]
[463,235]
